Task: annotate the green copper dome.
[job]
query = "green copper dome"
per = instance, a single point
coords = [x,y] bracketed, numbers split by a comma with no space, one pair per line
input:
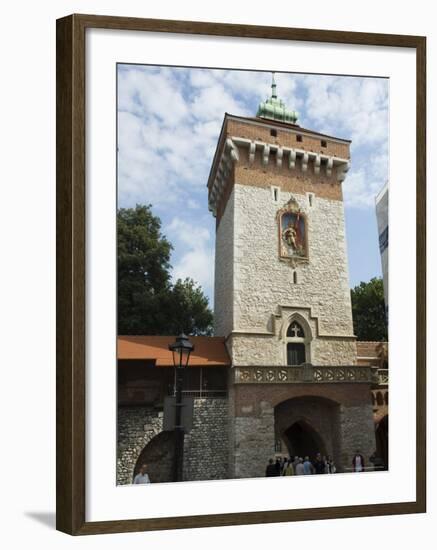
[275,108]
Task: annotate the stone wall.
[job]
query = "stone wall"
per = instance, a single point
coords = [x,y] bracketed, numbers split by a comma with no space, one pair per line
[357,432]
[270,350]
[223,278]
[255,291]
[341,415]
[141,440]
[254,441]
[206,445]
[262,282]
[136,427]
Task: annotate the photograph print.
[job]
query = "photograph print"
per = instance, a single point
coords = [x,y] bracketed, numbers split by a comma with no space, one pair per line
[252,254]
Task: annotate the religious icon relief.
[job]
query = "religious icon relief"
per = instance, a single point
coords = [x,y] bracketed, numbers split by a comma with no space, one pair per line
[292,224]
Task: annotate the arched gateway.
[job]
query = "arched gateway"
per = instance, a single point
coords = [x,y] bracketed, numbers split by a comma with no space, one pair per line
[308,408]
[302,440]
[308,425]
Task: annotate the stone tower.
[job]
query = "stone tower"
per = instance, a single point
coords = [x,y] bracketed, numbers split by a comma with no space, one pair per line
[282,298]
[281,276]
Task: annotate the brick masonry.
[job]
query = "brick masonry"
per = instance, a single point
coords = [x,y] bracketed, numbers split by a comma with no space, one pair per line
[259,130]
[340,415]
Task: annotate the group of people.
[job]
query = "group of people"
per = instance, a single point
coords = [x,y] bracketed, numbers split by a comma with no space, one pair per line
[299,466]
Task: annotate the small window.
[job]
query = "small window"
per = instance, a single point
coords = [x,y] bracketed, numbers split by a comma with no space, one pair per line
[311,199]
[275,194]
[323,143]
[273,132]
[295,277]
[299,137]
[295,354]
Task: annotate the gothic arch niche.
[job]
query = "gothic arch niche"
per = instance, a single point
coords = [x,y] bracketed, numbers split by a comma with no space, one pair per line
[308,425]
[303,440]
[297,338]
[158,454]
[292,232]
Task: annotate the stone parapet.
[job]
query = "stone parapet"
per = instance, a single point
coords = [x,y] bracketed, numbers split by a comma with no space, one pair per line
[304,373]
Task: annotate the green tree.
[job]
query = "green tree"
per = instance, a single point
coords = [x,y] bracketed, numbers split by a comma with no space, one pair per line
[189,309]
[148,302]
[368,311]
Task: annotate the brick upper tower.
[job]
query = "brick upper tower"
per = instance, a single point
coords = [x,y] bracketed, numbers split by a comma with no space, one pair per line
[281,277]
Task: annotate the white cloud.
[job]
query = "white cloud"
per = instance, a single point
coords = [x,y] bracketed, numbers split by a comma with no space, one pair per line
[170,120]
[146,92]
[197,259]
[364,183]
[358,107]
[212,102]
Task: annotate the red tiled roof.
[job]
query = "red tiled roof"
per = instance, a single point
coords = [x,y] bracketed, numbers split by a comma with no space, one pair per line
[209,351]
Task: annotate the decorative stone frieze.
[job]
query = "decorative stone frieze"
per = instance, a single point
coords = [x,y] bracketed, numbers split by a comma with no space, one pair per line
[304,373]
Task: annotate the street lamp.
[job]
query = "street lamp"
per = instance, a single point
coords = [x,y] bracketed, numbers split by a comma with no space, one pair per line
[181,350]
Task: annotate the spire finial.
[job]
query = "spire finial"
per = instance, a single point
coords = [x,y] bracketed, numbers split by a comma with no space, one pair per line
[274,95]
[275,109]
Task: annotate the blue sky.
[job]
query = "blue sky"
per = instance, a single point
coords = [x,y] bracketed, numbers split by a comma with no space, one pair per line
[169,120]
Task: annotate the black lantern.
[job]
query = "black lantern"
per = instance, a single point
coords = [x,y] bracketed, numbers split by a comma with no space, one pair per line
[181,350]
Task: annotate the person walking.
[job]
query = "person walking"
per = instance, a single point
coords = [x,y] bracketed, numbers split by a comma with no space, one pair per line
[319,464]
[278,466]
[299,469]
[288,469]
[142,476]
[271,469]
[330,466]
[358,462]
[307,466]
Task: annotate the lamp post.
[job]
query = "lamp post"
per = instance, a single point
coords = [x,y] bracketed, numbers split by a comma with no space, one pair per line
[181,350]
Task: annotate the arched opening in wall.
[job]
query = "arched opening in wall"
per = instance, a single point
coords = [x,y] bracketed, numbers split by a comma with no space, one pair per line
[381,434]
[379,399]
[158,454]
[309,425]
[302,440]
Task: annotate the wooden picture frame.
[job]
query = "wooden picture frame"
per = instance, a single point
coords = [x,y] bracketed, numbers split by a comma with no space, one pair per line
[71,254]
